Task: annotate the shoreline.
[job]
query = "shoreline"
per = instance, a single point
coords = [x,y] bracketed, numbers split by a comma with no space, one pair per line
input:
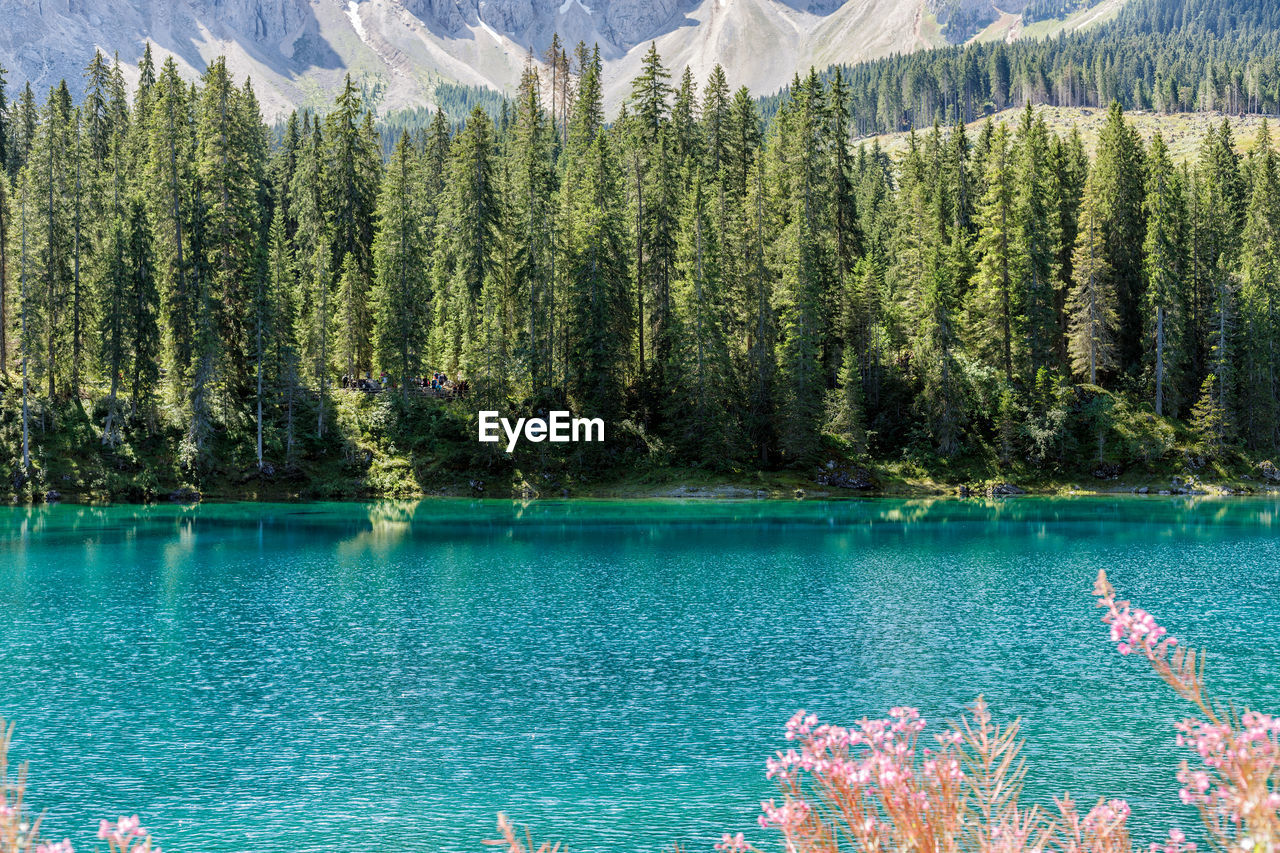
[768,489]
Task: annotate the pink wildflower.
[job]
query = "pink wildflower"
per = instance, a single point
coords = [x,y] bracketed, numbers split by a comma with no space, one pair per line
[733,843]
[63,846]
[1176,843]
[785,817]
[121,834]
[1236,791]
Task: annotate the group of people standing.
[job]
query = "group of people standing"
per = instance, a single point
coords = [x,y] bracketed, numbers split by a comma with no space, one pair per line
[365,384]
[438,384]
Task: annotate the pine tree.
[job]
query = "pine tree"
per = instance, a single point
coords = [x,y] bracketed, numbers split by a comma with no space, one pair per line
[533,221]
[761,358]
[351,319]
[351,175]
[435,168]
[599,306]
[98,129]
[1038,237]
[283,165]
[926,282]
[684,121]
[674,266]
[472,219]
[51,175]
[401,288]
[650,96]
[169,170]
[1118,178]
[316,299]
[1164,261]
[144,303]
[700,365]
[24,338]
[228,131]
[1217,225]
[1208,419]
[1091,308]
[561,86]
[716,122]
[801,174]
[649,171]
[282,345]
[80,301]
[314,257]
[742,138]
[23,129]
[6,123]
[6,215]
[1258,412]
[114,347]
[992,298]
[1070,170]
[128,328]
[845,229]
[262,326]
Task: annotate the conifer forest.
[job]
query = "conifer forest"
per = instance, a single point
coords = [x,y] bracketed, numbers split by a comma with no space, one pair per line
[734,281]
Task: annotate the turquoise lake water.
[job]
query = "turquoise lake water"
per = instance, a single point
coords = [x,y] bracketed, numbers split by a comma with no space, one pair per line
[389,676]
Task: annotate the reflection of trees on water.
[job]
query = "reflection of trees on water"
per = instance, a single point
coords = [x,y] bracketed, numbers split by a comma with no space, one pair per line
[390,522]
[382,525]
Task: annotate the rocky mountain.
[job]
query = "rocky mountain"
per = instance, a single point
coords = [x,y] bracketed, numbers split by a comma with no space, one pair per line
[297,51]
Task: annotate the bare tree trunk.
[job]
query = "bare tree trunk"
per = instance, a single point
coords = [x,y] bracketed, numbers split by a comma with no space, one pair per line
[639,261]
[259,376]
[4,282]
[1160,360]
[75,298]
[324,348]
[50,284]
[108,430]
[26,415]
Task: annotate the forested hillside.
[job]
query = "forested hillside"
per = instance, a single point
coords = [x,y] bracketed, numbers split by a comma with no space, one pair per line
[1165,55]
[185,300]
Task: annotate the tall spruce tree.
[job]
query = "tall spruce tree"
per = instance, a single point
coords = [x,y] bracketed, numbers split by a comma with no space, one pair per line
[1091,309]
[1038,237]
[599,321]
[533,214]
[1217,226]
[1258,407]
[1118,180]
[1165,265]
[401,257]
[472,219]
[800,171]
[228,131]
[169,169]
[993,296]
[351,175]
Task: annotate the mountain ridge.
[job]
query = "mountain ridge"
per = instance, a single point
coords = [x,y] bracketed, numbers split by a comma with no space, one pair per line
[296,52]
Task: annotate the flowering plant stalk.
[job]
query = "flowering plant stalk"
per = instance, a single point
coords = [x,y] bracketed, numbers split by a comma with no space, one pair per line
[513,843]
[873,788]
[20,830]
[1235,786]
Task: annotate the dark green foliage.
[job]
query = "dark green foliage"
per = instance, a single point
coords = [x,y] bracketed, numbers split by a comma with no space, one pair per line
[1165,55]
[724,294]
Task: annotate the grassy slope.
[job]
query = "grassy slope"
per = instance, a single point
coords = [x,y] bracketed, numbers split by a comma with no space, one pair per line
[1009,26]
[1184,132]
